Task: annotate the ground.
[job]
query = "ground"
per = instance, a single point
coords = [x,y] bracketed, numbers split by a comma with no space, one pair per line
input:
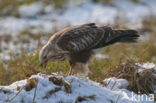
[54,88]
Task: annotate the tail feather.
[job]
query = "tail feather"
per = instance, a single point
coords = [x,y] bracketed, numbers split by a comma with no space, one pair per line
[130,36]
[122,36]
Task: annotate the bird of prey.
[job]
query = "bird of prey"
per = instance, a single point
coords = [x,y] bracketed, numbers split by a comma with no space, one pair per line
[78,44]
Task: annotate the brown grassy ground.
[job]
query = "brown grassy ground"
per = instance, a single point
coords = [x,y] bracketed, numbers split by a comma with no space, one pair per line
[139,82]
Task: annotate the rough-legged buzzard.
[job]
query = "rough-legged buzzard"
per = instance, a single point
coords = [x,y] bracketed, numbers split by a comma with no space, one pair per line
[78,43]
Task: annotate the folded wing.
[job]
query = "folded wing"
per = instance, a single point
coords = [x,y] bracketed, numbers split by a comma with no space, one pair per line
[81,38]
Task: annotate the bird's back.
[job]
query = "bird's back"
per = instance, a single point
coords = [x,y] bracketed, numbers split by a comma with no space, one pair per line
[89,36]
[72,29]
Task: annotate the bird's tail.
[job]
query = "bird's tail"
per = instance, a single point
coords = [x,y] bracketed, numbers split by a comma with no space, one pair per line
[121,36]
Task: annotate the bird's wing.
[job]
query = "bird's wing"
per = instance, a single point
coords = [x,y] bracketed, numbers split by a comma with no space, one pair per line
[80,38]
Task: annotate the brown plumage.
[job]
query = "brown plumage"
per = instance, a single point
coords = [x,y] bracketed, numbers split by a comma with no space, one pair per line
[78,43]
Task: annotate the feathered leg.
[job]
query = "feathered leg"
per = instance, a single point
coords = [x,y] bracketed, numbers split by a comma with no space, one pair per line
[79,69]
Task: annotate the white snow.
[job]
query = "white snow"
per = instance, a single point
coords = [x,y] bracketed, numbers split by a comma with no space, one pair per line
[13,25]
[30,10]
[40,18]
[101,56]
[114,83]
[78,14]
[146,66]
[115,91]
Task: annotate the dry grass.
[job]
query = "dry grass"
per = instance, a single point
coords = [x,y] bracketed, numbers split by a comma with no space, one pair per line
[108,2]
[10,7]
[84,98]
[149,24]
[120,53]
[49,93]
[11,99]
[60,81]
[111,2]
[31,83]
[139,82]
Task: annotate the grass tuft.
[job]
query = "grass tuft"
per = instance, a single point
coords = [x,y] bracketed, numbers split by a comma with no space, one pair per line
[139,82]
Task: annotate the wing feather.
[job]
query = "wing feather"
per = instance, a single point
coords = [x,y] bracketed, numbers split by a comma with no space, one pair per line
[80,38]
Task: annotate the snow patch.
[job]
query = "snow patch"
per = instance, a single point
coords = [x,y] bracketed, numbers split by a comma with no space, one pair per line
[114,83]
[80,86]
[146,66]
[45,19]
[31,10]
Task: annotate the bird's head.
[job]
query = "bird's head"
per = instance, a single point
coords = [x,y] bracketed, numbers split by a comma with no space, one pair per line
[46,54]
